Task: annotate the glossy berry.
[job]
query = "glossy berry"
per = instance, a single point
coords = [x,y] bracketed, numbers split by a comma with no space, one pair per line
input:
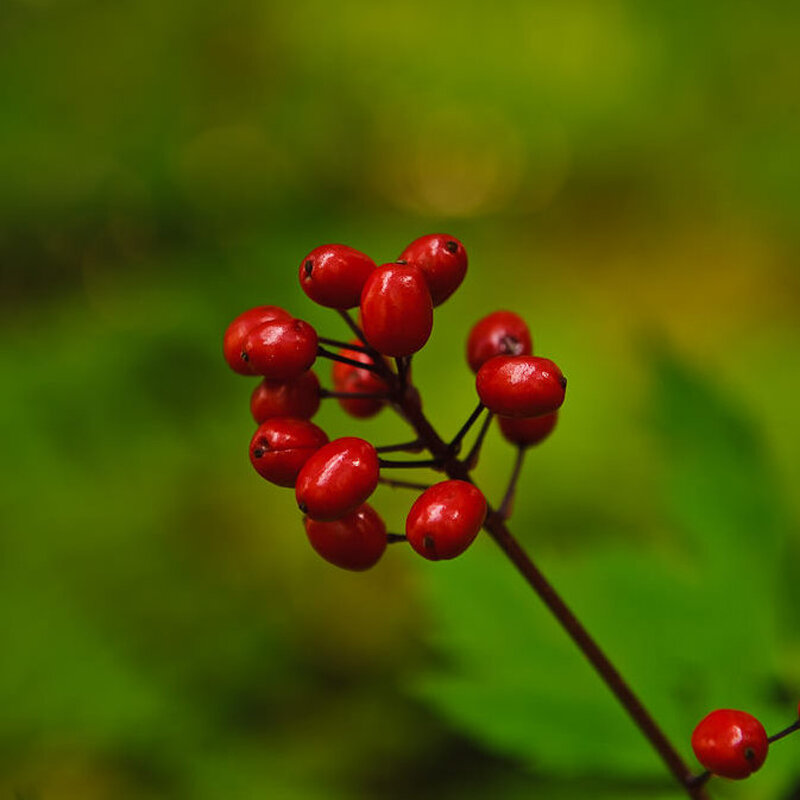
[520,386]
[333,275]
[442,260]
[527,431]
[356,541]
[280,447]
[501,333]
[280,350]
[396,310]
[337,479]
[298,398]
[445,519]
[347,378]
[730,743]
[237,332]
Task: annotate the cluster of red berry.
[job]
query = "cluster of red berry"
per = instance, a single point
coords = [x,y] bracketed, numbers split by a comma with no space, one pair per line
[334,479]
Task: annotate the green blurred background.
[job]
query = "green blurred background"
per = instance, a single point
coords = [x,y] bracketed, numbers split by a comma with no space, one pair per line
[625,175]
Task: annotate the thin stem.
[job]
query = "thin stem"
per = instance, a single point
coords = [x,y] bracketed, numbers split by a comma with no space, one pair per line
[398,484]
[456,441]
[394,538]
[402,370]
[472,457]
[785,732]
[323,393]
[507,505]
[350,322]
[360,348]
[323,353]
[405,447]
[699,780]
[496,527]
[421,462]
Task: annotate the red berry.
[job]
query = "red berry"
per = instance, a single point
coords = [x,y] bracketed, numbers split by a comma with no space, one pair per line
[443,261]
[501,333]
[347,378]
[396,310]
[730,743]
[238,330]
[520,386]
[528,431]
[445,519]
[295,398]
[356,541]
[280,350]
[337,479]
[280,447]
[333,275]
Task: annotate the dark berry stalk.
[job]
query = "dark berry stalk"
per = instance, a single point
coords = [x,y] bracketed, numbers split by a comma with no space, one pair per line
[455,444]
[472,457]
[323,353]
[508,499]
[399,484]
[325,393]
[495,525]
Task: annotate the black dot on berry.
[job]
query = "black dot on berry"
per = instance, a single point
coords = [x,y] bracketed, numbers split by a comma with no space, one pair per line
[258,452]
[303,507]
[401,261]
[244,356]
[428,542]
[562,382]
[452,247]
[308,267]
[749,753]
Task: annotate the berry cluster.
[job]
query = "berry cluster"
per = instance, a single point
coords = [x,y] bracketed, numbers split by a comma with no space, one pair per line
[333,480]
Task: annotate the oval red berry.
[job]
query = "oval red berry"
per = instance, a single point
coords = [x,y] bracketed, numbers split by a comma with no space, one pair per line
[333,275]
[442,260]
[501,333]
[337,479]
[356,541]
[298,398]
[237,332]
[280,350]
[730,743]
[396,310]
[520,386]
[527,431]
[445,519]
[280,447]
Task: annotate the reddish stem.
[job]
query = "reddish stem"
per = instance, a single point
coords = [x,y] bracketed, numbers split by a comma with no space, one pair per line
[496,527]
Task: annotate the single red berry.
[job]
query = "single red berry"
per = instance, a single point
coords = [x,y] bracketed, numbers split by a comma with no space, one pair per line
[298,398]
[442,260]
[445,519]
[281,446]
[333,275]
[356,541]
[280,350]
[730,743]
[347,378]
[396,310]
[527,431]
[520,386]
[501,333]
[237,332]
[337,479]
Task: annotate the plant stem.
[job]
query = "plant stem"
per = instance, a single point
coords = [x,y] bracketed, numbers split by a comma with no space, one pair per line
[345,315]
[359,348]
[454,444]
[398,484]
[323,353]
[420,462]
[496,527]
[404,447]
[394,538]
[785,732]
[472,457]
[323,393]
[507,504]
